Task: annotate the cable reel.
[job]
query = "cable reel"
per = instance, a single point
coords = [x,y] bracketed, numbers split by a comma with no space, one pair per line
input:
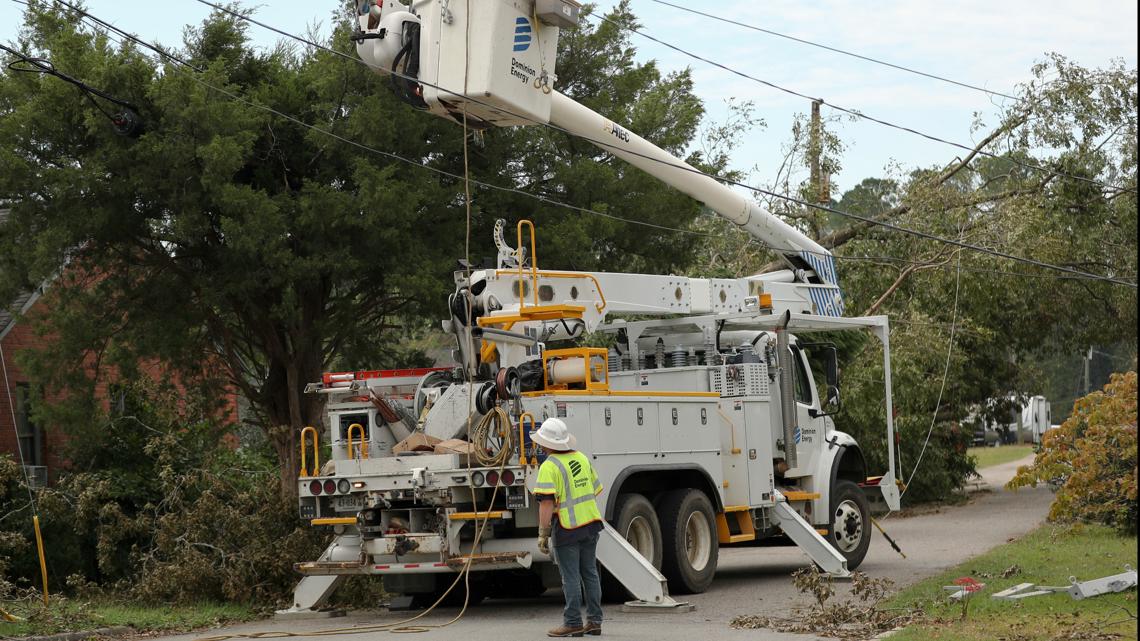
[430,381]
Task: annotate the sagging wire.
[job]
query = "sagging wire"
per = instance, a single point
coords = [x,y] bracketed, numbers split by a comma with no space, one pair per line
[856,113]
[852,54]
[679,165]
[945,376]
[126,121]
[941,391]
[167,55]
[933,419]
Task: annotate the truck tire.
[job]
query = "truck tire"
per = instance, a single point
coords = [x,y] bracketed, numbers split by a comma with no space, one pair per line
[688,530]
[849,530]
[636,520]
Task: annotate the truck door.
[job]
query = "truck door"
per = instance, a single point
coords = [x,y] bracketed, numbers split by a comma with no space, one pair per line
[811,430]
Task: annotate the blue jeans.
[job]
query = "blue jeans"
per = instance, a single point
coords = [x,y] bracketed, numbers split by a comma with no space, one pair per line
[577,563]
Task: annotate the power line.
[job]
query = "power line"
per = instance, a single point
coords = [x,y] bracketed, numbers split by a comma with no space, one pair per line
[162,52]
[859,114]
[907,261]
[864,219]
[763,245]
[557,203]
[399,158]
[841,51]
[684,167]
[945,375]
[527,194]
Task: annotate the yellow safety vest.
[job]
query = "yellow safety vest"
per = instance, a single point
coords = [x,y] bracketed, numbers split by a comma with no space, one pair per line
[571,479]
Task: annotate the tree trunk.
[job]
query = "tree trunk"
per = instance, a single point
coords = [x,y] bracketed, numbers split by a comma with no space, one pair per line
[289,411]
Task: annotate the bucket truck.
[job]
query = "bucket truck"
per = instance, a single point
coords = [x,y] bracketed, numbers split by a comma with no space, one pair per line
[703,419]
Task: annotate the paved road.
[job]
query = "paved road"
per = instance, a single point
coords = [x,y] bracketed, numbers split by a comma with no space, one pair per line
[749,580]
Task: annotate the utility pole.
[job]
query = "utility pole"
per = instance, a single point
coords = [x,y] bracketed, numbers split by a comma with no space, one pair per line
[820,183]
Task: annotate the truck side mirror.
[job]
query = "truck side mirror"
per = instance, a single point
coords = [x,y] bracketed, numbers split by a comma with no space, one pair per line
[832,379]
[833,398]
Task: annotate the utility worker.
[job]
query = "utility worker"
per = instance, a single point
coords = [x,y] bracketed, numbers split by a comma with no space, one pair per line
[567,486]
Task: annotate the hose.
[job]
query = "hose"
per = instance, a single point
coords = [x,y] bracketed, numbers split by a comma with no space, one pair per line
[396,627]
[496,423]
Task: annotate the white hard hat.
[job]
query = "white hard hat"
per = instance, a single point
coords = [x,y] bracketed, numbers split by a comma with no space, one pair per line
[555,435]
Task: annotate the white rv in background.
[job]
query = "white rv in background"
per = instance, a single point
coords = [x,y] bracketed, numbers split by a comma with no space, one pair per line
[1026,422]
[1036,418]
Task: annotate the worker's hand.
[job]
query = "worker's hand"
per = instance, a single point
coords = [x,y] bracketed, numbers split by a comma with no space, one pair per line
[544,540]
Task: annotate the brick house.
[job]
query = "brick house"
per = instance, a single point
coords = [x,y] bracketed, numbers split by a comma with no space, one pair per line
[20,436]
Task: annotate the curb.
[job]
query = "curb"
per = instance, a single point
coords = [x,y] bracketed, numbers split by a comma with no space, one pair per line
[116,631]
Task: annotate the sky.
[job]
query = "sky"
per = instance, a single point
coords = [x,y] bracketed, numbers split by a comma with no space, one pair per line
[981,42]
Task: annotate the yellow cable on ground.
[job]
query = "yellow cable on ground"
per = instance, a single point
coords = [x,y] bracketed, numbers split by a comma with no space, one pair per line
[9,617]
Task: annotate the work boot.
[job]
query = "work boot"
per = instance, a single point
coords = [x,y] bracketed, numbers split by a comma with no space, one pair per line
[565,631]
[593,629]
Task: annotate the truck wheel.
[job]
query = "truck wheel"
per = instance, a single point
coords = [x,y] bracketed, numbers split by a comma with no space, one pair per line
[688,530]
[850,528]
[636,520]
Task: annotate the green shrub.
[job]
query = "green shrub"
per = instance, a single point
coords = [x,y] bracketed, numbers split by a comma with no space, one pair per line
[159,505]
[1091,459]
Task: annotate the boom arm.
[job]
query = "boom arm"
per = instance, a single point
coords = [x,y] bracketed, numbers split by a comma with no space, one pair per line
[813,263]
[495,67]
[632,148]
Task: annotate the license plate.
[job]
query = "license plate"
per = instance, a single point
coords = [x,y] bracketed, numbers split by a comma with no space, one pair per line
[351,503]
[516,501]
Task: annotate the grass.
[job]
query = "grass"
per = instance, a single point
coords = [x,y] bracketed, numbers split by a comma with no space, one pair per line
[69,615]
[1047,556]
[990,456]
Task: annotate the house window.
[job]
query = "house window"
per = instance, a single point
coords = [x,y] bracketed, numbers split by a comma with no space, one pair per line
[29,434]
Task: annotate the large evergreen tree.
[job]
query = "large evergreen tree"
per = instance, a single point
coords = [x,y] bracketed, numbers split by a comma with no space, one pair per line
[231,237]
